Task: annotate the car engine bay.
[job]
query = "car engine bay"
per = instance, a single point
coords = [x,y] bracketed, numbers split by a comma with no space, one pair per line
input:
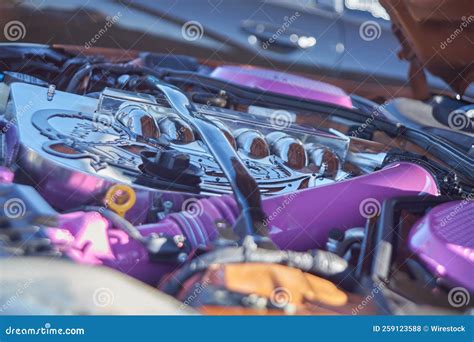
[269,192]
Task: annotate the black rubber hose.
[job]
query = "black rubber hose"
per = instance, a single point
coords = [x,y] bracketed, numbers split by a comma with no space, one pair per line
[118,68]
[321,263]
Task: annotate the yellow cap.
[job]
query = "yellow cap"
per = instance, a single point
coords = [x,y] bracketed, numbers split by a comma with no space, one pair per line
[120,198]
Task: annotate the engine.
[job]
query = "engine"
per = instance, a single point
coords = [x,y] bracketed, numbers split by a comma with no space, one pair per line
[176,177]
[134,139]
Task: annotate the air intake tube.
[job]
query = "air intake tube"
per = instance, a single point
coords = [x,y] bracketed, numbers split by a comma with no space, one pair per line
[89,237]
[313,211]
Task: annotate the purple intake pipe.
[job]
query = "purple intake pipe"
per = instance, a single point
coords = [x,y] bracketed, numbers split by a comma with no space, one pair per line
[314,211]
[88,238]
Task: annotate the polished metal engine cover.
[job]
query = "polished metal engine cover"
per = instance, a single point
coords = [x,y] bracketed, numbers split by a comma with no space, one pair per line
[77,146]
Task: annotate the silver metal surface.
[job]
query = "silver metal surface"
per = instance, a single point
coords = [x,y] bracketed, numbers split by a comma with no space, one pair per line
[138,120]
[75,148]
[252,143]
[289,149]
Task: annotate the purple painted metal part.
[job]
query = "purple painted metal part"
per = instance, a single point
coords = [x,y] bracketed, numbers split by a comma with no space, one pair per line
[6,175]
[83,188]
[88,238]
[342,205]
[283,83]
[302,220]
[444,240]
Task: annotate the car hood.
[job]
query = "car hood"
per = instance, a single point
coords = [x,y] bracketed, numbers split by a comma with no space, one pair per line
[435,35]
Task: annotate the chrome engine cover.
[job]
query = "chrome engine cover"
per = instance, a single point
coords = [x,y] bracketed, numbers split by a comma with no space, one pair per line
[96,148]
